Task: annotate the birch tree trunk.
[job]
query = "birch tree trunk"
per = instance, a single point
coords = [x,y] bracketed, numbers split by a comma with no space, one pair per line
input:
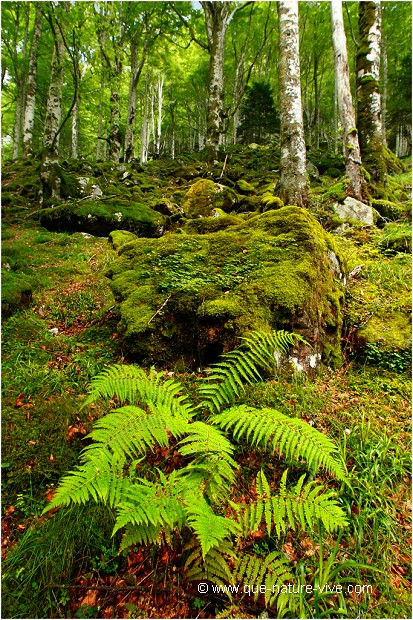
[50,179]
[293,181]
[114,133]
[368,95]
[159,116]
[144,126]
[75,130]
[216,17]
[21,88]
[100,118]
[28,118]
[384,91]
[345,103]
[129,148]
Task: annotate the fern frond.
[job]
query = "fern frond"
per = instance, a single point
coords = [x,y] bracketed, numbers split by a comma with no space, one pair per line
[303,506]
[139,534]
[98,478]
[209,528]
[271,571]
[259,350]
[131,383]
[213,566]
[130,430]
[292,437]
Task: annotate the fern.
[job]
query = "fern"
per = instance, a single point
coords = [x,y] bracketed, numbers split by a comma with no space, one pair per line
[212,565]
[302,507]
[195,497]
[292,437]
[259,350]
[132,384]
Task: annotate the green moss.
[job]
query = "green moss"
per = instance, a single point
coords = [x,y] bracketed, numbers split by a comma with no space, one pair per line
[206,225]
[119,237]
[397,238]
[189,296]
[338,191]
[244,187]
[269,202]
[389,209]
[16,291]
[199,200]
[100,217]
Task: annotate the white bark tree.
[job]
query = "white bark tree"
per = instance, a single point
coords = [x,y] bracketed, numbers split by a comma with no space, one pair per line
[31,88]
[351,146]
[293,181]
[369,122]
[52,124]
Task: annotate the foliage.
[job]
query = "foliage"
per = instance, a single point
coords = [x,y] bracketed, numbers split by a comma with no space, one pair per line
[195,495]
[259,119]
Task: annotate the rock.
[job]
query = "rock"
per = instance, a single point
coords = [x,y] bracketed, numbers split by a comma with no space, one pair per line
[86,188]
[277,270]
[312,171]
[119,237]
[244,187]
[205,196]
[16,291]
[353,209]
[167,208]
[99,218]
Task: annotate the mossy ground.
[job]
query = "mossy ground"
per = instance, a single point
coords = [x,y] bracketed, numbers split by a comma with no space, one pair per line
[364,406]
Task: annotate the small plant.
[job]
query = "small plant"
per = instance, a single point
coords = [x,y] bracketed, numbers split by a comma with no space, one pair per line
[194,494]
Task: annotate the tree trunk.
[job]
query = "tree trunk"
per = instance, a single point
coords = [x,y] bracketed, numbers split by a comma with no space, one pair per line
[144,127]
[384,91]
[114,133]
[129,148]
[293,181]
[100,118]
[368,94]
[50,177]
[28,120]
[75,130]
[159,116]
[21,89]
[350,137]
[216,24]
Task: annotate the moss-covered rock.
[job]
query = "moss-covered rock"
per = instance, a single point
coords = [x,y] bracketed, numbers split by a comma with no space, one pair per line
[119,237]
[16,291]
[244,187]
[100,217]
[397,237]
[188,298]
[205,196]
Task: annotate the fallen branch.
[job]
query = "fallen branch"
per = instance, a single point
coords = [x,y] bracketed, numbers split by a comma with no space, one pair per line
[159,309]
[225,163]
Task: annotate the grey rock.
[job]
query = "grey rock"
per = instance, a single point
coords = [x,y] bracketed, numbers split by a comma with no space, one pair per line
[353,209]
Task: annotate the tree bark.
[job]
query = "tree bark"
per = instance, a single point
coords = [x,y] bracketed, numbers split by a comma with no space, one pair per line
[50,178]
[368,95]
[28,120]
[293,181]
[351,146]
[21,88]
[216,17]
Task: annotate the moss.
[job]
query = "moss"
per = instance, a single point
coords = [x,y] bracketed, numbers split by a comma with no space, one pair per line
[397,238]
[191,296]
[16,291]
[389,209]
[244,187]
[119,237]
[338,191]
[269,202]
[390,330]
[205,196]
[101,217]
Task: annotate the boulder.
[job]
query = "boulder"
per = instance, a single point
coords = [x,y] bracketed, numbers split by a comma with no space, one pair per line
[100,217]
[188,298]
[353,209]
[205,196]
[312,171]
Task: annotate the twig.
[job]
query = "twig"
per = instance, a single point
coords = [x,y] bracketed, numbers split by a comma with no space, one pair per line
[163,306]
[225,163]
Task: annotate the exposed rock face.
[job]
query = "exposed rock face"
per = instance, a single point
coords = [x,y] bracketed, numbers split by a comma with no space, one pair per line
[188,298]
[101,217]
[353,209]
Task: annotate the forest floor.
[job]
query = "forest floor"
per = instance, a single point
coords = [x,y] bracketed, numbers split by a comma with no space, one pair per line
[66,564]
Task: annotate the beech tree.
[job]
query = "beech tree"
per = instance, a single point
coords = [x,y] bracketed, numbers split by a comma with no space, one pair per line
[293,181]
[351,146]
[368,89]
